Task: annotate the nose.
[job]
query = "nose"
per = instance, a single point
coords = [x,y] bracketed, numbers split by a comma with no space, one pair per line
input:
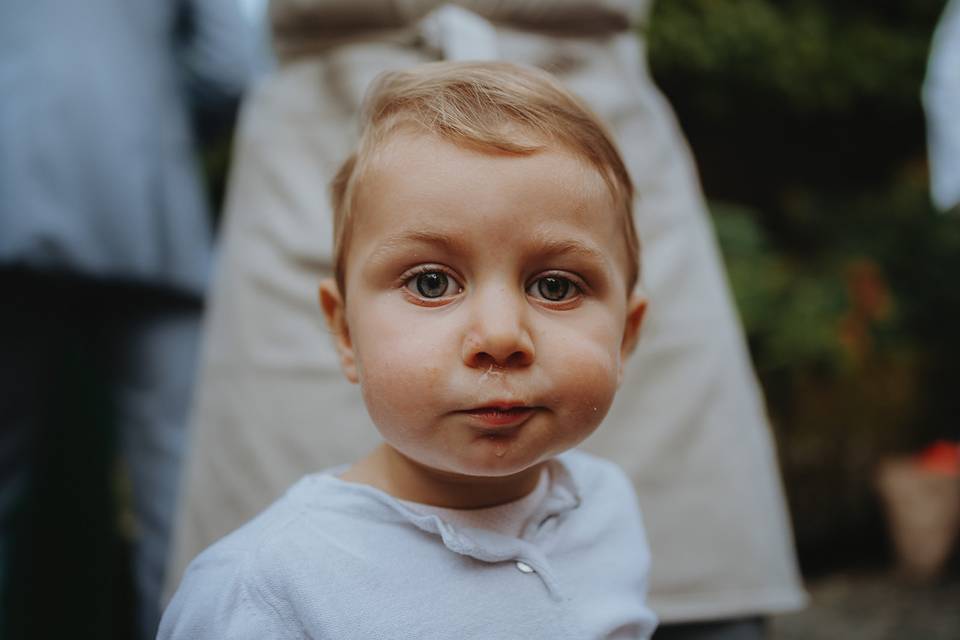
[498,334]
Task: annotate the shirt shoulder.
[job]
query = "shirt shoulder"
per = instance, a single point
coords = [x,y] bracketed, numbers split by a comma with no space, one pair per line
[608,506]
[247,582]
[594,475]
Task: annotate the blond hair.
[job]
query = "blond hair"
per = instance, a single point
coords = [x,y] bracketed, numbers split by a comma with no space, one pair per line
[482,105]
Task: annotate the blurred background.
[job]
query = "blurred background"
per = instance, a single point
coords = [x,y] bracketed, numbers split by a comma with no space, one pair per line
[806,122]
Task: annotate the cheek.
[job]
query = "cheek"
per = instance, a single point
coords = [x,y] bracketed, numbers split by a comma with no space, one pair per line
[590,386]
[586,373]
[396,369]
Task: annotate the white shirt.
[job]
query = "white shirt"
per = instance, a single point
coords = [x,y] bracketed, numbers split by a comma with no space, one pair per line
[508,519]
[334,559]
[941,99]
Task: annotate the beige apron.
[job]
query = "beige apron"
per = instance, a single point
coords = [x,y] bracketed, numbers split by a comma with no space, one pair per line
[688,424]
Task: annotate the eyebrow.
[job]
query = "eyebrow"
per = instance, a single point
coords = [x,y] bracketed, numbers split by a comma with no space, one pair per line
[548,247]
[567,247]
[399,240]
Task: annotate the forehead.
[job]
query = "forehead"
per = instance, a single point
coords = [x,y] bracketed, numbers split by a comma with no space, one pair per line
[415,174]
[476,201]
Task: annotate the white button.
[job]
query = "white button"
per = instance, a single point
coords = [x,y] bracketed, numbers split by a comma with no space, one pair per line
[524,567]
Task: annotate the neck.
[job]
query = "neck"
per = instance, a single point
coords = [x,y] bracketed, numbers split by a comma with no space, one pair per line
[390,471]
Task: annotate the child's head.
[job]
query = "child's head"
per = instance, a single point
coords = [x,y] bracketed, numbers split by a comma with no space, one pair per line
[485,266]
[498,108]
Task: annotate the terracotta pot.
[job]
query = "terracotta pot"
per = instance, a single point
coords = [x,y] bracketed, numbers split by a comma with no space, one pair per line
[923,513]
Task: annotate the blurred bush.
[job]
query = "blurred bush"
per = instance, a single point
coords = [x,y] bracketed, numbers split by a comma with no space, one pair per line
[805,118]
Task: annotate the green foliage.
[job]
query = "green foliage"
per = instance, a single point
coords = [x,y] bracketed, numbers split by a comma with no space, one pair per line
[806,121]
[809,57]
[789,311]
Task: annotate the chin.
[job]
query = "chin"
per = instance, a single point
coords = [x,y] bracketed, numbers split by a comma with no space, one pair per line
[500,466]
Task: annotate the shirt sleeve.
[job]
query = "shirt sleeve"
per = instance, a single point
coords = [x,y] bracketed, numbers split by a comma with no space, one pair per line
[215,602]
[941,97]
[632,532]
[218,51]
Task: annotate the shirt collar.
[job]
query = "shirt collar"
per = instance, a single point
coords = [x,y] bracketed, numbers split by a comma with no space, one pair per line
[365,501]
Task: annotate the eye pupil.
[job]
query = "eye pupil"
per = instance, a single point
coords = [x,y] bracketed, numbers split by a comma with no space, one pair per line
[553,288]
[432,284]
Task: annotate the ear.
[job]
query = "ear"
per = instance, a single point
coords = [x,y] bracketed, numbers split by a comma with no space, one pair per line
[334,310]
[636,308]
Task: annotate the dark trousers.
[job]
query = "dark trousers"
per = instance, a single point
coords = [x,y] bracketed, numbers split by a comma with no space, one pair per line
[89,369]
[735,629]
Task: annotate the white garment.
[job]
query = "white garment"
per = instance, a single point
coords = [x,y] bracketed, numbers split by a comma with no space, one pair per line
[334,559]
[688,424]
[941,99]
[508,519]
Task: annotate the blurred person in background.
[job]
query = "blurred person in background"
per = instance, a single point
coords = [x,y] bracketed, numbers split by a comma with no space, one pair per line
[271,403]
[941,100]
[105,247]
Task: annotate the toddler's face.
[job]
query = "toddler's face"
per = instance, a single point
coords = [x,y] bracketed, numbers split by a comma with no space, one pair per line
[486,312]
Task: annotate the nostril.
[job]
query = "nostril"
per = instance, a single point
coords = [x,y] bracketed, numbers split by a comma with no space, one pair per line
[518,359]
[483,349]
[485,360]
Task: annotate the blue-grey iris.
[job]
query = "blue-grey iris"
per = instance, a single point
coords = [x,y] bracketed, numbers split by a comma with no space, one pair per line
[432,284]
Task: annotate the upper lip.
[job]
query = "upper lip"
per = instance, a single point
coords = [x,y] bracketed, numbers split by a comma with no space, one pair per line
[500,405]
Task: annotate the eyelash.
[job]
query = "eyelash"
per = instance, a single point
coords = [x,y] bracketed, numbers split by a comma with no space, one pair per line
[579,287]
[408,278]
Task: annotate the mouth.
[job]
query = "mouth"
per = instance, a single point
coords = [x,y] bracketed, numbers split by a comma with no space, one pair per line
[501,415]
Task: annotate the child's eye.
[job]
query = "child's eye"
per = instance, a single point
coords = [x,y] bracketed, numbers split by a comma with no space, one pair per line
[553,288]
[433,284]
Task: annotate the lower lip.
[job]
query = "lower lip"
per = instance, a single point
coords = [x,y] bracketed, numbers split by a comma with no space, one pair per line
[501,417]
